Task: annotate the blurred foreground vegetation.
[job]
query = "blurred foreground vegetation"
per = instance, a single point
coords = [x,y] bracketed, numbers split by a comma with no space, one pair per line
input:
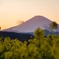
[40,47]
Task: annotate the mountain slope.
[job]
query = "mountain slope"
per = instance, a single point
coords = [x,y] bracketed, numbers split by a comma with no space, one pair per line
[31,25]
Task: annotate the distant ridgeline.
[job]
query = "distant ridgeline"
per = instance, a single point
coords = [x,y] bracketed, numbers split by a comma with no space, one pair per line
[13,35]
[21,36]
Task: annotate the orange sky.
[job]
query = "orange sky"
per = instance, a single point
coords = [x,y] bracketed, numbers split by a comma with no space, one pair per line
[12,11]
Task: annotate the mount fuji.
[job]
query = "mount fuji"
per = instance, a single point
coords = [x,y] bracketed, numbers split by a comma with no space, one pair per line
[31,25]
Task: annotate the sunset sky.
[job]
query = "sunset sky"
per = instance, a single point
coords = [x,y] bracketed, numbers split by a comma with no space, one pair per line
[12,11]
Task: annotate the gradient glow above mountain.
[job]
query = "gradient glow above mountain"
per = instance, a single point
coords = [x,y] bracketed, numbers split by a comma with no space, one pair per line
[31,25]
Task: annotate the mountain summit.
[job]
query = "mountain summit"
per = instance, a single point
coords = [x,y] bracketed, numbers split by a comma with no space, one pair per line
[31,25]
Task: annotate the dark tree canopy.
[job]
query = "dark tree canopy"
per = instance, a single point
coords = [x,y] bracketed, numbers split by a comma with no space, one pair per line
[39,33]
[53,26]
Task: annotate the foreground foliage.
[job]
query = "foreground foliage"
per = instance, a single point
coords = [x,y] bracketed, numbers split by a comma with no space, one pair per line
[39,47]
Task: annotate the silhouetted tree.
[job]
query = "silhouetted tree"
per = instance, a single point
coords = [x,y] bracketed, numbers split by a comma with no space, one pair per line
[39,33]
[53,26]
[0,28]
[20,22]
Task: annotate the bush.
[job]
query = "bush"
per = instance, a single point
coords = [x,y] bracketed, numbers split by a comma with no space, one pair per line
[39,47]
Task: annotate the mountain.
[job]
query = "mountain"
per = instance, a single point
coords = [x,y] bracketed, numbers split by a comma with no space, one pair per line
[31,25]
